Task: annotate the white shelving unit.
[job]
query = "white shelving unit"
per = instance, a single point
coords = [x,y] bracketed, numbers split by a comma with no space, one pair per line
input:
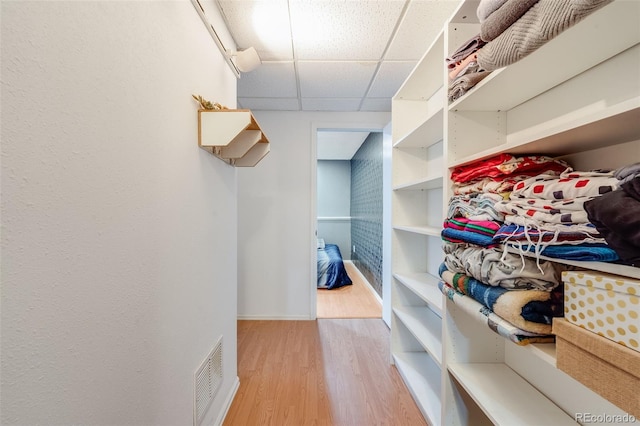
[418,177]
[576,98]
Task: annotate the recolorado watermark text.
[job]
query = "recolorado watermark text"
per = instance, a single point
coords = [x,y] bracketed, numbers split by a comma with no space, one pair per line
[604,418]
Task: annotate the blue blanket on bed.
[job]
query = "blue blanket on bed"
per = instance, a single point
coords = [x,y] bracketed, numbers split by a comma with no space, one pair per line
[331,271]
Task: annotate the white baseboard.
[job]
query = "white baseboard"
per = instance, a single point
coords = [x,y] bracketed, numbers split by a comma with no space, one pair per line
[369,286]
[227,402]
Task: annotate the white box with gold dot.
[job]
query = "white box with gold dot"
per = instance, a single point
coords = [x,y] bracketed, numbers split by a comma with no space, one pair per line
[606,304]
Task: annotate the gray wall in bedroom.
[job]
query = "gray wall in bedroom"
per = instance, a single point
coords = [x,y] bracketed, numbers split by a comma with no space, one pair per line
[366,209]
[334,201]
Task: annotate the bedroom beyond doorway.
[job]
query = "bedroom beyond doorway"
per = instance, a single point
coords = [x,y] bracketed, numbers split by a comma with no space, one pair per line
[350,301]
[349,218]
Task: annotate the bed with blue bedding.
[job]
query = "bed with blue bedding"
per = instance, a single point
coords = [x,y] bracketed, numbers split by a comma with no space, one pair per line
[331,271]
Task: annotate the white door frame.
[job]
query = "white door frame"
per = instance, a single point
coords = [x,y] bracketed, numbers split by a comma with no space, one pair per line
[313,251]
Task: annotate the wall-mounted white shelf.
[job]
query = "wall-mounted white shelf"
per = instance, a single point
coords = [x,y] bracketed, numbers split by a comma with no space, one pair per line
[233,135]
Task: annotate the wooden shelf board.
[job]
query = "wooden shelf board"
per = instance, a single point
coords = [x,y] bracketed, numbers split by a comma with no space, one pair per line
[421,324]
[425,286]
[505,397]
[508,87]
[253,156]
[422,378]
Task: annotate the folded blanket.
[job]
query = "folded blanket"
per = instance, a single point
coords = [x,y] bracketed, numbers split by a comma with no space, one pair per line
[497,324]
[628,172]
[466,66]
[504,165]
[529,310]
[579,252]
[462,85]
[540,211]
[487,7]
[466,49]
[541,23]
[483,227]
[527,221]
[498,269]
[504,17]
[458,236]
[616,215]
[632,187]
[570,185]
[487,185]
[560,235]
[475,207]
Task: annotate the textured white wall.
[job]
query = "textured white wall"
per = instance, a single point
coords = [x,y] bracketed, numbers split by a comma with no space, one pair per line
[334,200]
[119,245]
[275,208]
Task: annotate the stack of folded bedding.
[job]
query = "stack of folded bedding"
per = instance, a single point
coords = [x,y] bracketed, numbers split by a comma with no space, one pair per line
[546,215]
[498,268]
[463,69]
[536,204]
[472,219]
[516,297]
[500,173]
[542,205]
[513,29]
[517,303]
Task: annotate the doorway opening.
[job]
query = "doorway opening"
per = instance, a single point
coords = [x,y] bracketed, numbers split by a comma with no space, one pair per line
[350,221]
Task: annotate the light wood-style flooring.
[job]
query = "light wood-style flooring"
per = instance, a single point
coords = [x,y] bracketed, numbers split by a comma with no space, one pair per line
[351,301]
[329,372]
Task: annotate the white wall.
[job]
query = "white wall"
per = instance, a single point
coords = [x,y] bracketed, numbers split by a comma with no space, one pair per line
[276,210]
[334,203]
[119,245]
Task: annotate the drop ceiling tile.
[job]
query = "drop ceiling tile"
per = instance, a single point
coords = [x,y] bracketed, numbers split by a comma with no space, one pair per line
[419,28]
[335,79]
[342,30]
[376,104]
[269,104]
[327,104]
[271,79]
[261,24]
[389,78]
